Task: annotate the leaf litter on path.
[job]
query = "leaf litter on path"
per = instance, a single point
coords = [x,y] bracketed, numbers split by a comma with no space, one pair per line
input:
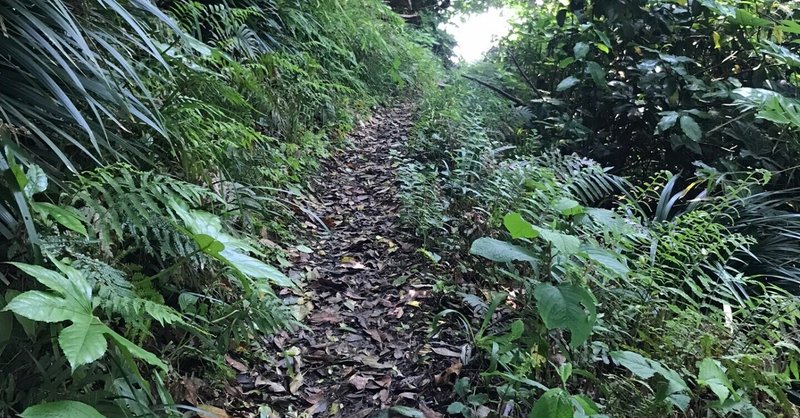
[366,304]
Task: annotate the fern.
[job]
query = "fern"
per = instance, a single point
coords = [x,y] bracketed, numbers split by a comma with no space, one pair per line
[123,203]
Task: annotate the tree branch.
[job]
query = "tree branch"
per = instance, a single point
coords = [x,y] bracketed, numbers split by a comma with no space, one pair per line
[498,90]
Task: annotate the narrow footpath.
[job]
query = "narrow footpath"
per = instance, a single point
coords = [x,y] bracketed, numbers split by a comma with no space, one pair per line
[367,302]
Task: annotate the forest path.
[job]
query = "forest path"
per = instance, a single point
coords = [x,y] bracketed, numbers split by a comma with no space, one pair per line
[367,302]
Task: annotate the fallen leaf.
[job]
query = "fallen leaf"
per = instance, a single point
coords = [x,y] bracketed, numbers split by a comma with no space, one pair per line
[209,411]
[239,366]
[444,378]
[359,382]
[373,362]
[375,334]
[322,317]
[429,413]
[297,382]
[445,352]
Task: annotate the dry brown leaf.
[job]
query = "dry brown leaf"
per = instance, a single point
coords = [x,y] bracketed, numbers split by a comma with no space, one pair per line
[445,352]
[238,365]
[359,382]
[297,382]
[429,413]
[212,412]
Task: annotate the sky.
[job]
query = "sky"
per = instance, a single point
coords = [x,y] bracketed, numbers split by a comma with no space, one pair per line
[479,32]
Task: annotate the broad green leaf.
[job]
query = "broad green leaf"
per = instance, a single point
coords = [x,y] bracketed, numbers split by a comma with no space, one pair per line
[568,207]
[646,368]
[83,342]
[587,406]
[635,362]
[580,50]
[61,215]
[43,307]
[456,408]
[51,279]
[61,409]
[500,251]
[555,403]
[691,128]
[668,120]
[234,252]
[608,261]
[568,307]
[208,244]
[597,72]
[745,18]
[562,243]
[712,374]
[567,83]
[518,227]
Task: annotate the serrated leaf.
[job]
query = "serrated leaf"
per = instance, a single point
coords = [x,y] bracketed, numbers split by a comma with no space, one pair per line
[519,227]
[83,342]
[568,307]
[691,128]
[567,83]
[500,251]
[61,409]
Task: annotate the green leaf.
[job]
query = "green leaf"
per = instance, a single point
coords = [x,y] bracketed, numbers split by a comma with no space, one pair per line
[598,74]
[745,18]
[83,342]
[668,120]
[635,362]
[555,403]
[646,368]
[61,409]
[713,375]
[562,243]
[63,216]
[518,227]
[135,350]
[407,412]
[608,261]
[580,50]
[567,83]
[208,244]
[567,307]
[234,252]
[36,181]
[500,251]
[43,307]
[568,207]
[456,408]
[691,128]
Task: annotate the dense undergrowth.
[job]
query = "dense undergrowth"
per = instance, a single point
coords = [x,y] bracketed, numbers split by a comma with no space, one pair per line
[663,285]
[152,152]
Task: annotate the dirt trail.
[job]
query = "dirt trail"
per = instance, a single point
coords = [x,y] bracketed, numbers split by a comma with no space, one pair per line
[368,297]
